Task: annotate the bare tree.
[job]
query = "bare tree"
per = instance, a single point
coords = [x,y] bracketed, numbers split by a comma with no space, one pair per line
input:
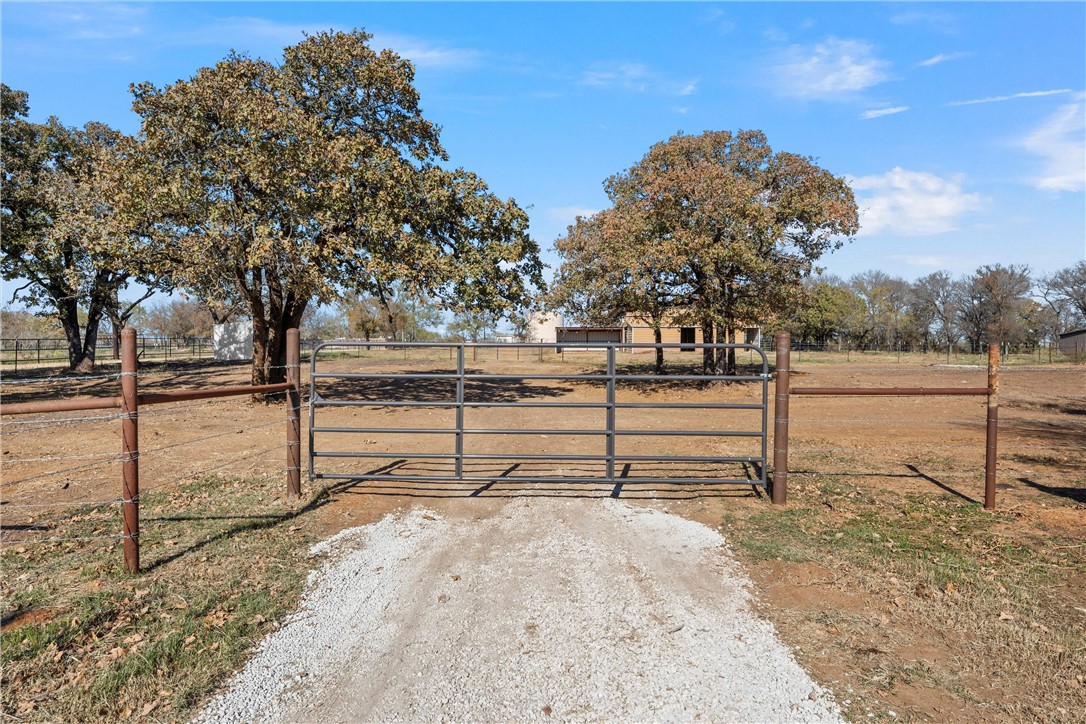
[940,296]
[1065,294]
[1001,293]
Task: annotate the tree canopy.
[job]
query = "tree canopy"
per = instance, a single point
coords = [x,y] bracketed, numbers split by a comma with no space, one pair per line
[64,237]
[716,227]
[283,184]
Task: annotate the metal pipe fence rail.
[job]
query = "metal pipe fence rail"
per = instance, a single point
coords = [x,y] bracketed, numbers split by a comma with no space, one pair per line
[784,391]
[457,382]
[129,402]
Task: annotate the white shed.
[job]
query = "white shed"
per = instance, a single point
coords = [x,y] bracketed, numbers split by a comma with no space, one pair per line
[543,327]
[233,341]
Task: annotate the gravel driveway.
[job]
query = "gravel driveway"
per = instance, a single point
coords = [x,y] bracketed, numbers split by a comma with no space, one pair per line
[529,610]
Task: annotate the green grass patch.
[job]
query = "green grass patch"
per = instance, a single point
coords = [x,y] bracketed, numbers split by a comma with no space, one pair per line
[224,560]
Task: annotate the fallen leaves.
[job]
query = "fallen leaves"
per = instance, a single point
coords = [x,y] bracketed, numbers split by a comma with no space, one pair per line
[217,618]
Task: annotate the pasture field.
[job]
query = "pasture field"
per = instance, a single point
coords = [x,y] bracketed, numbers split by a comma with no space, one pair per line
[896,590]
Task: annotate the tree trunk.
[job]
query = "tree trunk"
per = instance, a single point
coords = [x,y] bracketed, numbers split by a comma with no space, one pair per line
[729,367]
[69,319]
[255,295]
[90,344]
[658,337]
[708,354]
[281,318]
[115,343]
[90,336]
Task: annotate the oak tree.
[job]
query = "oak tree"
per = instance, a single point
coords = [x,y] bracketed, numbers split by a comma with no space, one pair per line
[612,268]
[65,241]
[741,227]
[284,184]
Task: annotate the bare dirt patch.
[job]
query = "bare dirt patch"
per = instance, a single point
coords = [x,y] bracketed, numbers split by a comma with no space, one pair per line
[989,630]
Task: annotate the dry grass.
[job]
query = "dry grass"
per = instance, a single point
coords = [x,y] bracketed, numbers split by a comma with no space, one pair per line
[927,595]
[224,559]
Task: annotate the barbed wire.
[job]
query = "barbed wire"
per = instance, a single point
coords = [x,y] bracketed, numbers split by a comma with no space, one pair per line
[79,378]
[26,426]
[162,484]
[208,437]
[75,468]
[116,456]
[89,505]
[64,539]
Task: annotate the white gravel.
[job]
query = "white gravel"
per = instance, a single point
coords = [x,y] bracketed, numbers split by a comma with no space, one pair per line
[581,610]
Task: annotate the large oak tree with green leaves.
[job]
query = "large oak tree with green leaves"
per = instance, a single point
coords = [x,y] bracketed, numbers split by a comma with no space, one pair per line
[66,245]
[615,264]
[282,184]
[729,226]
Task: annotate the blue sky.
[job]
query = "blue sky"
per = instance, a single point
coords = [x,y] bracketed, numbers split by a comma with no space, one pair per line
[961,126]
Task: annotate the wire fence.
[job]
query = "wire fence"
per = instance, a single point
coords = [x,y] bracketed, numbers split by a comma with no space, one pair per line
[928,353]
[66,491]
[30,516]
[51,351]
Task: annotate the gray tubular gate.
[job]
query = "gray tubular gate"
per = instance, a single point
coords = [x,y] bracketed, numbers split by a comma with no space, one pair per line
[334,390]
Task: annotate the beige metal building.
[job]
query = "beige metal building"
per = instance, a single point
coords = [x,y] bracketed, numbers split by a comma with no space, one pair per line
[638,330]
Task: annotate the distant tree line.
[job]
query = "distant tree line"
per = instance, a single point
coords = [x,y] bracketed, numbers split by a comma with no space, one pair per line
[994,304]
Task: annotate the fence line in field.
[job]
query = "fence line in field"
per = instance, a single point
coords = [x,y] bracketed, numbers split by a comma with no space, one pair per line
[55,350]
[782,419]
[129,402]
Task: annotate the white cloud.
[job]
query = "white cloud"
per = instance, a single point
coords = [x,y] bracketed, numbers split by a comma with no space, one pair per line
[635,77]
[266,38]
[1015,96]
[1061,143]
[834,69]
[880,112]
[260,34]
[943,58]
[97,21]
[425,54]
[912,203]
[628,76]
[931,261]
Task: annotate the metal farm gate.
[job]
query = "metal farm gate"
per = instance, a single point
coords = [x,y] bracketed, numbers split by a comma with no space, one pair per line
[459,383]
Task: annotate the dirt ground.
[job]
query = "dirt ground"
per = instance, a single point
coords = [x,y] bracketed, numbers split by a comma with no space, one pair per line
[909,445]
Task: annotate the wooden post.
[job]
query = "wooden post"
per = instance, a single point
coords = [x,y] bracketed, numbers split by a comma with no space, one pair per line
[294,403]
[780,420]
[992,428]
[130,450]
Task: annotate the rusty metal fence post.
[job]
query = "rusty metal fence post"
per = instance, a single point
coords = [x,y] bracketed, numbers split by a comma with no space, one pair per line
[294,404]
[992,429]
[130,449]
[780,420]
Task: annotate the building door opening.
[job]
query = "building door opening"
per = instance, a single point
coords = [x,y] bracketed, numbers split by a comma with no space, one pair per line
[687,335]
